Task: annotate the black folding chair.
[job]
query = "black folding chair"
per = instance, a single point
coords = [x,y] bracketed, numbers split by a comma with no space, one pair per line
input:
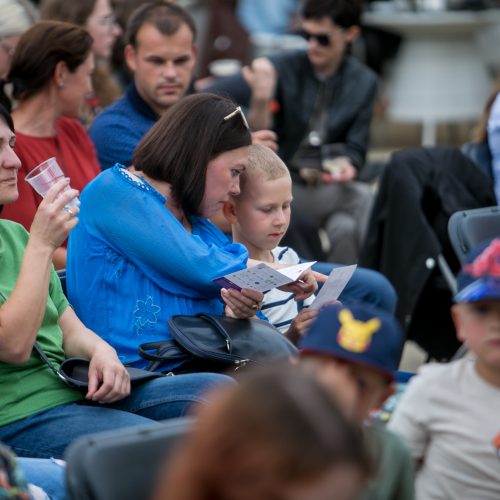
[122,464]
[469,228]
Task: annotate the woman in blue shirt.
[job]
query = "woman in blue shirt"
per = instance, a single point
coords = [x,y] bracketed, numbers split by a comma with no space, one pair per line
[144,249]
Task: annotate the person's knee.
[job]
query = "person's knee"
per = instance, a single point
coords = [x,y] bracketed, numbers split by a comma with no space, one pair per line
[372,287]
[340,225]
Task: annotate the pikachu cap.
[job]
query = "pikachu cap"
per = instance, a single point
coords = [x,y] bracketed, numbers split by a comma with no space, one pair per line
[357,333]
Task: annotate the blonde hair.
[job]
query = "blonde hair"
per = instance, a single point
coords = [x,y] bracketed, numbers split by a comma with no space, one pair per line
[263,160]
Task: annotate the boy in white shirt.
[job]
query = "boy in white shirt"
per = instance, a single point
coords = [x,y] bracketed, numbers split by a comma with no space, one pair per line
[260,216]
[450,413]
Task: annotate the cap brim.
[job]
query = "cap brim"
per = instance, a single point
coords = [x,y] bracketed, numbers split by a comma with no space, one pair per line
[482,289]
[350,358]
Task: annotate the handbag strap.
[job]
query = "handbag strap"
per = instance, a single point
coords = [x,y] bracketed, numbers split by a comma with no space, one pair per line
[219,328]
[46,360]
[161,347]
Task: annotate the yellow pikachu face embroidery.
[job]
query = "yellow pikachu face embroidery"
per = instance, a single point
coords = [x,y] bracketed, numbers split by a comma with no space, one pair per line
[354,335]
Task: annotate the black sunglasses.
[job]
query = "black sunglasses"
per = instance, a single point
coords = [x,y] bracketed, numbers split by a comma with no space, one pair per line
[323,39]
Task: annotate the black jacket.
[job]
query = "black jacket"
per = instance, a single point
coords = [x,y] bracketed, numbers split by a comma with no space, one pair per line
[419,190]
[353,92]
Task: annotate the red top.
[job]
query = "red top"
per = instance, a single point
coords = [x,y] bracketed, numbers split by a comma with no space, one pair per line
[75,154]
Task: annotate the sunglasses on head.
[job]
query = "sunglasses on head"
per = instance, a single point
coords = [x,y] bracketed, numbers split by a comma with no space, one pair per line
[322,39]
[237,112]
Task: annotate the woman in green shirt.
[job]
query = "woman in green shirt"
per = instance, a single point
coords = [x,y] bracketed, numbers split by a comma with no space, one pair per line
[39,414]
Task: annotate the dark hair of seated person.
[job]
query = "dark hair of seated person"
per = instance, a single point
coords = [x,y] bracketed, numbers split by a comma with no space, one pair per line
[72,12]
[344,13]
[38,52]
[5,116]
[187,137]
[167,18]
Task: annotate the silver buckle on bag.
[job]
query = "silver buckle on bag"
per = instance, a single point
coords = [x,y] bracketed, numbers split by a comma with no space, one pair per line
[240,364]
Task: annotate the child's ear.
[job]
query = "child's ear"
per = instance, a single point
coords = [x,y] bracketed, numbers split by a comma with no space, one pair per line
[384,395]
[456,316]
[229,211]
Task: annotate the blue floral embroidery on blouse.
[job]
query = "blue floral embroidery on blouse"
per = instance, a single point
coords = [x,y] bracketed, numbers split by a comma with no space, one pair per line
[144,313]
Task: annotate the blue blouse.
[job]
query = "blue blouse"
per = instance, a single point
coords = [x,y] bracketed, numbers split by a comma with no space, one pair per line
[131,264]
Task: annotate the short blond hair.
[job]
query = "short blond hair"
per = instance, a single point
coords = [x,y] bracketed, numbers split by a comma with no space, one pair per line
[263,160]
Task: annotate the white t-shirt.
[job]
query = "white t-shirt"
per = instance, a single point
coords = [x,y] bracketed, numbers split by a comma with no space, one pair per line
[280,307]
[449,417]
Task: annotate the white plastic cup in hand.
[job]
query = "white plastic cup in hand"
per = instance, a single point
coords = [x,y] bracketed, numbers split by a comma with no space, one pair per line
[330,154]
[45,175]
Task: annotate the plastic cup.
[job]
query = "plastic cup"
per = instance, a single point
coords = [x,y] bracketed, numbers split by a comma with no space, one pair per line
[224,67]
[329,157]
[44,176]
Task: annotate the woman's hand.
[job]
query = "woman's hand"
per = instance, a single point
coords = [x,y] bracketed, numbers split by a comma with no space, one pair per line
[241,304]
[52,222]
[109,381]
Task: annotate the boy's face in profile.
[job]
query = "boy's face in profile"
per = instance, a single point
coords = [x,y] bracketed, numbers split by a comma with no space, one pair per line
[261,213]
[478,326]
[371,388]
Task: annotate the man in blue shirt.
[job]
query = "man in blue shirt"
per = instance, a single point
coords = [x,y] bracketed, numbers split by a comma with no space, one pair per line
[162,55]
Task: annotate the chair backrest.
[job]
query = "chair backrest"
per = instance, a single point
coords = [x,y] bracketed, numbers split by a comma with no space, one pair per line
[62,278]
[122,464]
[468,228]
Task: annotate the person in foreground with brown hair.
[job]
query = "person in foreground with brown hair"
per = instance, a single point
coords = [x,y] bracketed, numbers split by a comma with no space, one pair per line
[277,435]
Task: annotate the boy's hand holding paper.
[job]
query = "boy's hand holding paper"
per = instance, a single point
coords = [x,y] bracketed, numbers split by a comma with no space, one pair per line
[332,288]
[264,278]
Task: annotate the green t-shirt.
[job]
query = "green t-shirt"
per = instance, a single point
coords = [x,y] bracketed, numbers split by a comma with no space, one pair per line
[394,477]
[32,387]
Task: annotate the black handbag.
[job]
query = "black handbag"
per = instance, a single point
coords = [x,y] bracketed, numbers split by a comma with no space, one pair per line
[75,371]
[214,343]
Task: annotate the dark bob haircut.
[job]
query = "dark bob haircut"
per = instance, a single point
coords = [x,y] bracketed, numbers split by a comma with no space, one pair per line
[187,137]
[5,116]
[40,49]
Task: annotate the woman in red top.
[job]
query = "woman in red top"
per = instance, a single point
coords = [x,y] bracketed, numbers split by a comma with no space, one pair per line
[51,77]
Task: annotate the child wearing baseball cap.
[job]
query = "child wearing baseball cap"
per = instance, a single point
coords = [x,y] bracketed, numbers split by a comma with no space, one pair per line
[450,413]
[361,345]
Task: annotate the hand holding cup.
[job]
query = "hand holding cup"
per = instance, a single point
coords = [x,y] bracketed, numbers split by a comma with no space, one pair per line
[45,175]
[56,216]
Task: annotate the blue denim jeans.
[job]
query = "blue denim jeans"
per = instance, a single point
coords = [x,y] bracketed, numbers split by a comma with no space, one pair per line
[47,474]
[47,433]
[366,285]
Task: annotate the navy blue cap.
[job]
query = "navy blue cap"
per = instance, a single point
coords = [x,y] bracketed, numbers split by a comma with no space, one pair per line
[358,333]
[479,278]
